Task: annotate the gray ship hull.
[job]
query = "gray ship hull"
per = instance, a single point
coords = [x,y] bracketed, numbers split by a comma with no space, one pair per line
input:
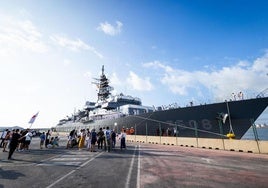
[202,121]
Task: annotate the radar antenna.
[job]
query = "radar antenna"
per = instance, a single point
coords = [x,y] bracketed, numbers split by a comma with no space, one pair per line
[103,85]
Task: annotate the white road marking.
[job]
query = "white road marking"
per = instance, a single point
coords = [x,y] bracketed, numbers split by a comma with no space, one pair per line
[139,169]
[71,172]
[207,160]
[61,164]
[130,169]
[68,156]
[63,177]
[69,159]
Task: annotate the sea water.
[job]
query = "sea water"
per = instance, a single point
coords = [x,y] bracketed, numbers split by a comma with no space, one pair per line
[261,132]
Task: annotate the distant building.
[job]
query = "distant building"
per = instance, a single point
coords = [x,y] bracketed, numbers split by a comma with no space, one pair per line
[10,128]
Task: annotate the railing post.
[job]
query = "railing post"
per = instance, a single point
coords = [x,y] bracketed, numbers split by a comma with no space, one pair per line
[177,133]
[146,132]
[255,134]
[135,133]
[160,132]
[221,132]
[196,134]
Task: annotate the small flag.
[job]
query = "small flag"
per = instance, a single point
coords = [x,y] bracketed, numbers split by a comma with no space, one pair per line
[33,118]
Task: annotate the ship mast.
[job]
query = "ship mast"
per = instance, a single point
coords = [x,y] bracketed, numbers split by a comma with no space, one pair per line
[103,86]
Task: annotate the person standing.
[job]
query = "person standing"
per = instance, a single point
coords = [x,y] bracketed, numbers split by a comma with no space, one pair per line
[13,143]
[3,136]
[107,134]
[7,140]
[47,138]
[28,139]
[123,139]
[233,97]
[93,140]
[42,140]
[113,136]
[22,140]
[82,139]
[100,138]
[88,139]
[174,131]
[71,139]
[240,95]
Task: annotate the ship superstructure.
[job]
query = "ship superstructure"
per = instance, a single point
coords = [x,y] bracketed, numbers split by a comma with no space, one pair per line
[107,106]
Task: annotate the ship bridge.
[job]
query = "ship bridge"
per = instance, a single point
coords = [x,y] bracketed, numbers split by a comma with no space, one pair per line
[117,101]
[126,99]
[131,109]
[89,105]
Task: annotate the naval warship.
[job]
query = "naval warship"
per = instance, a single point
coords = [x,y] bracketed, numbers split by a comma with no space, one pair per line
[228,119]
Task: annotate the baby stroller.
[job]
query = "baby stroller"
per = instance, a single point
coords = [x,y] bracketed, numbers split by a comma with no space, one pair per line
[72,142]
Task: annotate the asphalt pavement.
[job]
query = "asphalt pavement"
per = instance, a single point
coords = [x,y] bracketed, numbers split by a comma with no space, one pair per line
[140,165]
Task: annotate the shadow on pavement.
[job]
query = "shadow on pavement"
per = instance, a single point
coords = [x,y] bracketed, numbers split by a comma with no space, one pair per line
[10,174]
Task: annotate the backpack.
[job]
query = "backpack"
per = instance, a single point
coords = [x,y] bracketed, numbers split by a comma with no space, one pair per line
[93,135]
[101,134]
[107,134]
[113,135]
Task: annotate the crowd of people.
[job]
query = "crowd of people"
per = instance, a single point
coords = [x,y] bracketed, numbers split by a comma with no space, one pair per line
[20,140]
[104,139]
[15,139]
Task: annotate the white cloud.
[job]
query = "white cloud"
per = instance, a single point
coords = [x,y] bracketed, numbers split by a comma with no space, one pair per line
[66,62]
[110,29]
[261,64]
[158,64]
[116,83]
[20,35]
[88,74]
[25,13]
[115,80]
[138,83]
[243,76]
[24,36]
[74,45]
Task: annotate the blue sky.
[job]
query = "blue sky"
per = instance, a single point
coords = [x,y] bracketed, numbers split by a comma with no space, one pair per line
[160,51]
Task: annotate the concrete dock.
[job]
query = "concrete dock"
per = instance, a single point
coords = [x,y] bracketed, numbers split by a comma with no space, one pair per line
[140,165]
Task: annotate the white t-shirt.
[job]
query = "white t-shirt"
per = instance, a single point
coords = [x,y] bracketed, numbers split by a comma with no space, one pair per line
[123,135]
[28,136]
[88,136]
[4,134]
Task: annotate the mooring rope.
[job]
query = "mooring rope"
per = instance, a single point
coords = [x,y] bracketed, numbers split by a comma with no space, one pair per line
[173,124]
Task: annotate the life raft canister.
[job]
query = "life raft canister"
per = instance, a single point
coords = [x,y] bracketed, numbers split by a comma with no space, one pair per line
[132,130]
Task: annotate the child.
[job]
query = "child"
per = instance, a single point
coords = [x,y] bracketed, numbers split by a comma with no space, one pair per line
[54,141]
[42,140]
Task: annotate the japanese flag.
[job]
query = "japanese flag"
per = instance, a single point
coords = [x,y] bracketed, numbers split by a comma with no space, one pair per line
[33,118]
